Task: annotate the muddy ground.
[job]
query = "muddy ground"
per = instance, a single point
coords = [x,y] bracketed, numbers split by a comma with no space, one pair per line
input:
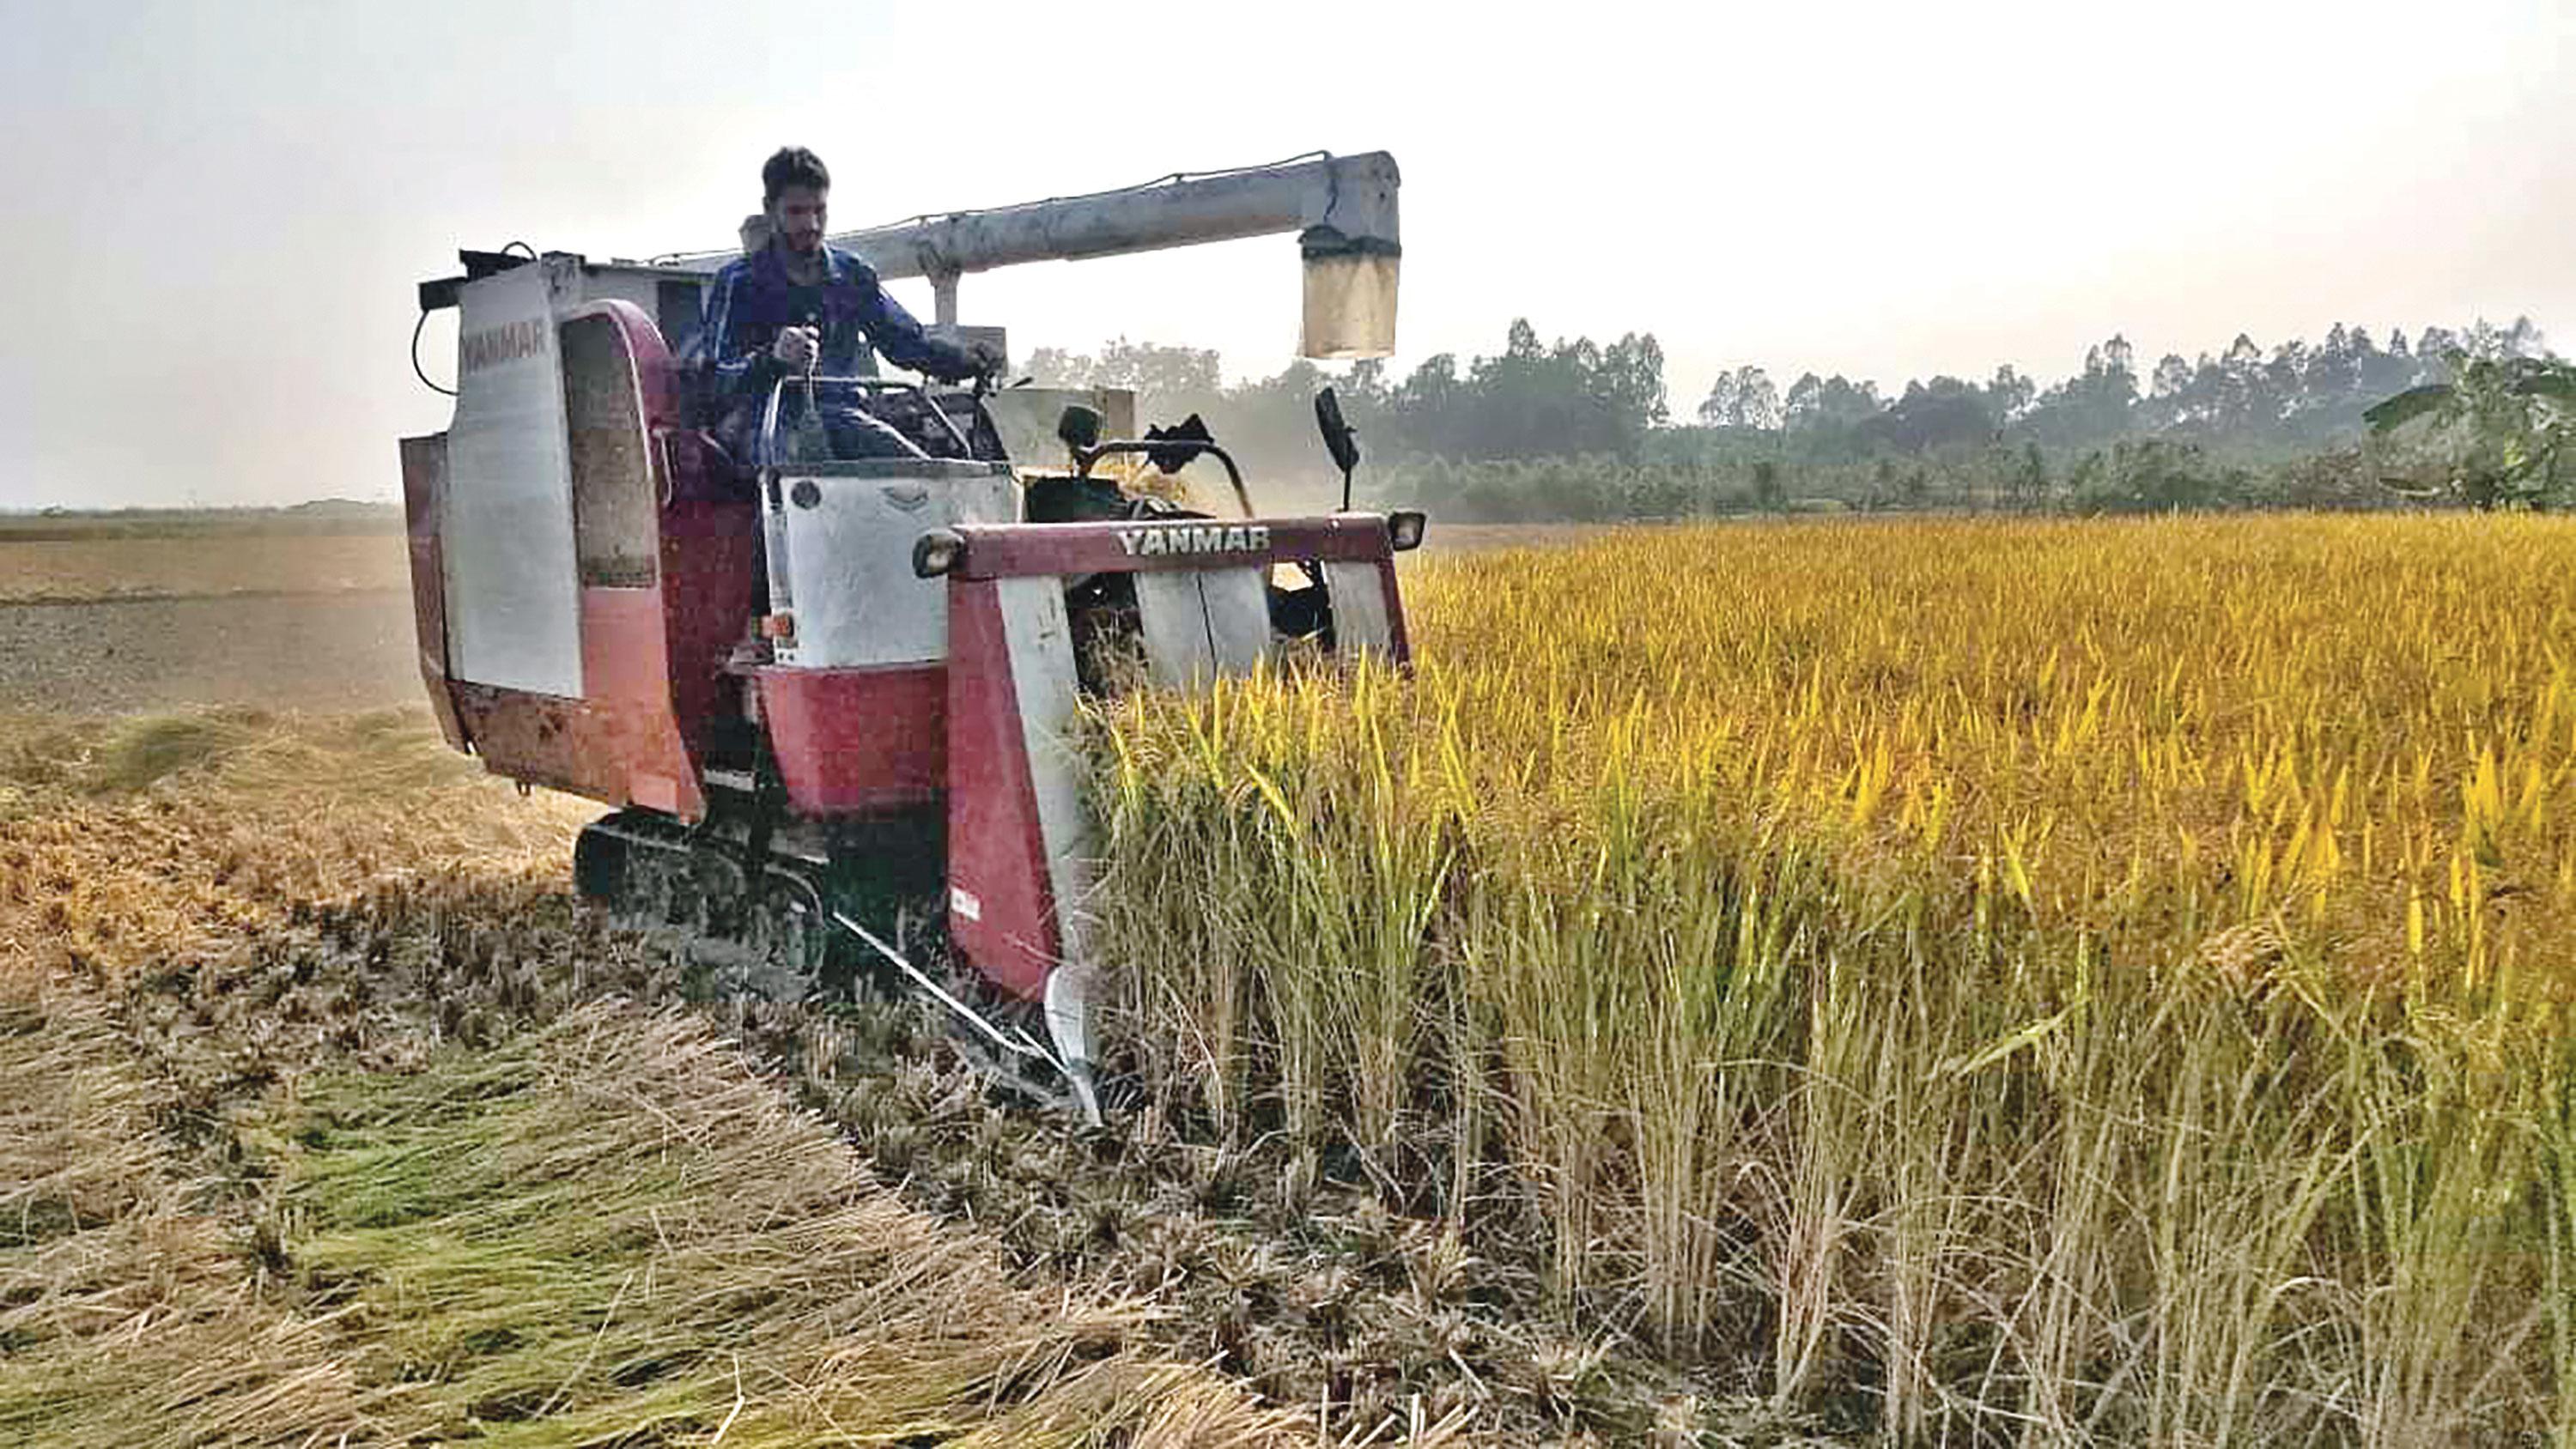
[96,561]
[338,651]
[99,623]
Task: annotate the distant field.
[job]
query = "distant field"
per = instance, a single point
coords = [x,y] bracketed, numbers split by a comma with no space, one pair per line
[154,612]
[110,566]
[326,516]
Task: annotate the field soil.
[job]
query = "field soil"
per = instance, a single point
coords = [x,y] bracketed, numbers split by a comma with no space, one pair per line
[288,651]
[98,622]
[105,566]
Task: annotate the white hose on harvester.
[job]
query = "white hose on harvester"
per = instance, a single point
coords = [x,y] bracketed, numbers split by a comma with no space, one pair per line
[1074,1067]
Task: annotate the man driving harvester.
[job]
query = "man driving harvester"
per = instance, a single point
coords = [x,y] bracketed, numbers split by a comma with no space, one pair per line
[798,306]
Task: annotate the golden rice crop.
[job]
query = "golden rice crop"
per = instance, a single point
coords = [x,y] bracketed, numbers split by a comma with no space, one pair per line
[2082,982]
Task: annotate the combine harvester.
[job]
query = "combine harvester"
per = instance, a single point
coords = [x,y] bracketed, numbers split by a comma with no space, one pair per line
[832,698]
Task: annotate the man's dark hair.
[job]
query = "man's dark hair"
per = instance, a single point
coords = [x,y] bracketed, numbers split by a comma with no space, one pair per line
[792,166]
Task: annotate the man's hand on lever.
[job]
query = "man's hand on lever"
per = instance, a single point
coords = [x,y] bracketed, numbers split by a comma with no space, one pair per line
[986,360]
[796,348]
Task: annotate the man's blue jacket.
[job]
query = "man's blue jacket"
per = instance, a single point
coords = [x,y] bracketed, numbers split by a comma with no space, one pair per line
[753,297]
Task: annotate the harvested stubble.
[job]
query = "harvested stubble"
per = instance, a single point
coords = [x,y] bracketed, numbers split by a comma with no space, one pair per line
[2069,983]
[606,1232]
[125,840]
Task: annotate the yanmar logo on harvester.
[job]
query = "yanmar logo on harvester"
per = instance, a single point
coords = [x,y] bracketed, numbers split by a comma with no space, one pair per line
[1195,538]
[888,795]
[508,342]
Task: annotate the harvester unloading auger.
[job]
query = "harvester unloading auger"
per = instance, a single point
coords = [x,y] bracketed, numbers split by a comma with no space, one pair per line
[832,696]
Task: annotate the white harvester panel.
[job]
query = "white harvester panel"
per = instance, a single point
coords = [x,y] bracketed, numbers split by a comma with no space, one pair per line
[505,523]
[848,530]
[1203,624]
[1362,619]
[507,536]
[1040,640]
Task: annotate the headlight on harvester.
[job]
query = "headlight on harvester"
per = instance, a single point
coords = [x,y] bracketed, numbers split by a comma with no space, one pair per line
[935,553]
[1404,529]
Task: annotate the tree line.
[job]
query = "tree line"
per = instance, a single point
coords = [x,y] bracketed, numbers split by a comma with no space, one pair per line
[1576,429]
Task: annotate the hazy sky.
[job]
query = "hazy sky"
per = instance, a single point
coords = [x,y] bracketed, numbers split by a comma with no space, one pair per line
[212,215]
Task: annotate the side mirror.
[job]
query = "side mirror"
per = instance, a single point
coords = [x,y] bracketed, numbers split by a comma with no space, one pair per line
[1338,439]
[1080,428]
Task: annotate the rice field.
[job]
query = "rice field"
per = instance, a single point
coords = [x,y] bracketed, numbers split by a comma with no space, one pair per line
[1922,982]
[2042,982]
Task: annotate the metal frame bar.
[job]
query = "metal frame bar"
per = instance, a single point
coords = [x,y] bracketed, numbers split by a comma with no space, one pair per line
[1017,550]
